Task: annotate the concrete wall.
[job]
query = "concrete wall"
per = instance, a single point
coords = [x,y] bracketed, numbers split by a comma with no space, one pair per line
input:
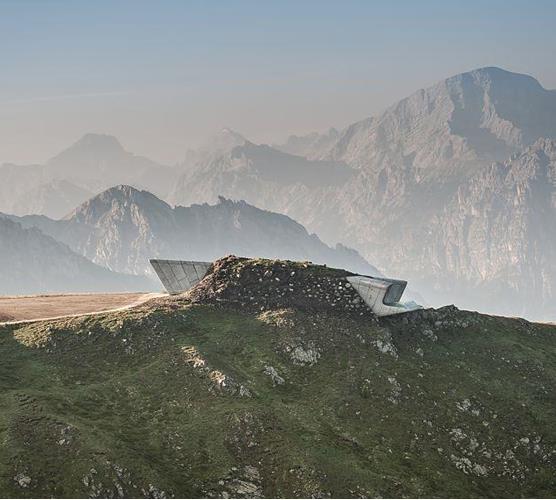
[178,276]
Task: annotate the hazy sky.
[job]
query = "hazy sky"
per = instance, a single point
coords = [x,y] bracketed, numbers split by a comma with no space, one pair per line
[163,75]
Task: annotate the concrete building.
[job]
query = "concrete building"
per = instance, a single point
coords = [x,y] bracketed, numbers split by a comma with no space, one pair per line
[381,295]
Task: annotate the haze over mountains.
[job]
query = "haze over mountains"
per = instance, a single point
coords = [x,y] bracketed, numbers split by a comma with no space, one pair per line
[409,164]
[32,262]
[122,228]
[94,163]
[451,188]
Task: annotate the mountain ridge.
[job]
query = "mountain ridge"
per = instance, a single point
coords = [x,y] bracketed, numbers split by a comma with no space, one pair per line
[122,228]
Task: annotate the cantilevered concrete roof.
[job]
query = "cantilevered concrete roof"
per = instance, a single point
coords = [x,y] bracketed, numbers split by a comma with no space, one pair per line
[178,276]
[382,295]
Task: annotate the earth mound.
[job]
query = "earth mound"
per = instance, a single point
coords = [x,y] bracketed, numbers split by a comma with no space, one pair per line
[263,284]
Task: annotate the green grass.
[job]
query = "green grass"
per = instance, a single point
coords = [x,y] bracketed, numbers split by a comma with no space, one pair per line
[107,405]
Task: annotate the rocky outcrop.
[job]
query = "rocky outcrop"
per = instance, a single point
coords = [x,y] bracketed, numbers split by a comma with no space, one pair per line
[261,284]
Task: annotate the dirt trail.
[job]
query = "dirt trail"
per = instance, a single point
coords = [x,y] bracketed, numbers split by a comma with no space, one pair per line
[29,309]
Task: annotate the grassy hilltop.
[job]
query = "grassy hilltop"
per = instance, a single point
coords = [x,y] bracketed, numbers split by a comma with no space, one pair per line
[237,391]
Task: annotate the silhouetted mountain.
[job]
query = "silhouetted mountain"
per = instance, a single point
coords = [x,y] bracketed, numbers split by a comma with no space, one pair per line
[16,182]
[257,173]
[313,145]
[99,161]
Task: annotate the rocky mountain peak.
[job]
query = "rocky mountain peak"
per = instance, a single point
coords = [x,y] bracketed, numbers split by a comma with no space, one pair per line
[479,116]
[118,200]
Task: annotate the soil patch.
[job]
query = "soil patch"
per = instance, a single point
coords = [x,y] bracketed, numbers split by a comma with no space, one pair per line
[19,308]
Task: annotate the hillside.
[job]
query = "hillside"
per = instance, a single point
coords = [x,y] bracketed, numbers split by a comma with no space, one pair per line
[17,180]
[122,228]
[31,262]
[187,397]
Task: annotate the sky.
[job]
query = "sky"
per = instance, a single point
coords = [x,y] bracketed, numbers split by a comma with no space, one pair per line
[163,76]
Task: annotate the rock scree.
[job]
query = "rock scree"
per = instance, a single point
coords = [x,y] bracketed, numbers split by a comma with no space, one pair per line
[262,284]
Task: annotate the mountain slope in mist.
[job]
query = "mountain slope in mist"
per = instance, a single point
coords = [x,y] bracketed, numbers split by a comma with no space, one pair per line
[498,235]
[92,164]
[54,199]
[31,262]
[409,164]
[122,228]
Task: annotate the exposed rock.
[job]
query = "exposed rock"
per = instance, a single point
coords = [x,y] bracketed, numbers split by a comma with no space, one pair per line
[424,202]
[22,480]
[304,356]
[261,284]
[122,228]
[273,374]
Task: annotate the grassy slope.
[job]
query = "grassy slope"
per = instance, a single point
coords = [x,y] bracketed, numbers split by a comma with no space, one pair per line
[454,404]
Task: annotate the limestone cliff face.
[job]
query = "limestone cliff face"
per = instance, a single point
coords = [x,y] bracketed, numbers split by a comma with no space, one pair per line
[498,235]
[122,228]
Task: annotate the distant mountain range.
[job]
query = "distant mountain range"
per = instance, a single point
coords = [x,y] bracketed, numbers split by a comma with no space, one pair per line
[94,163]
[497,236]
[122,228]
[407,169]
[423,191]
[310,146]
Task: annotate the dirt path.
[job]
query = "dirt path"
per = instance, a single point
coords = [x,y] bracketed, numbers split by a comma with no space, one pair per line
[28,309]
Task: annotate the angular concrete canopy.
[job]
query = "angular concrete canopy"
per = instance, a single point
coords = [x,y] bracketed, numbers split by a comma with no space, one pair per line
[178,276]
[382,295]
